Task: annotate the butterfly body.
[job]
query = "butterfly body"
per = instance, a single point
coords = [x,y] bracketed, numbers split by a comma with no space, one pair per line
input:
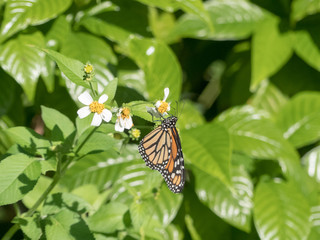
[161,150]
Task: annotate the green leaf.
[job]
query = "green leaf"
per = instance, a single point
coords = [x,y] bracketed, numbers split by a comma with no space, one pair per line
[281,212]
[161,25]
[201,222]
[233,204]
[21,13]
[271,49]
[48,73]
[43,183]
[71,68]
[61,28]
[307,48]
[97,142]
[54,203]
[189,26]
[118,21]
[131,76]
[102,169]
[160,66]
[108,218]
[210,153]
[166,205]
[197,8]
[22,61]
[164,208]
[128,178]
[88,192]
[230,23]
[28,139]
[302,8]
[18,176]
[299,119]
[67,225]
[111,89]
[253,134]
[8,94]
[102,28]
[187,109]
[311,162]
[315,230]
[93,50]
[49,164]
[139,108]
[55,37]
[167,5]
[30,226]
[269,98]
[57,122]
[233,19]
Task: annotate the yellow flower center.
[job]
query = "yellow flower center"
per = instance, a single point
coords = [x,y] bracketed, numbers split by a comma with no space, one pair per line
[88,68]
[163,107]
[135,132]
[96,107]
[125,113]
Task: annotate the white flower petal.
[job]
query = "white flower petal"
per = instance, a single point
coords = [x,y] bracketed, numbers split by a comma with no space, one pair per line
[166,94]
[128,123]
[168,108]
[103,98]
[158,103]
[118,127]
[96,121]
[85,98]
[83,112]
[121,122]
[106,115]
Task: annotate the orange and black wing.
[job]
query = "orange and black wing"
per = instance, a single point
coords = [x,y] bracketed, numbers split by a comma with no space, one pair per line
[155,148]
[173,172]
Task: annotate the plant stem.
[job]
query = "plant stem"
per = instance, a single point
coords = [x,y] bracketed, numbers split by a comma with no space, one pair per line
[59,173]
[93,92]
[43,196]
[11,232]
[17,209]
[85,140]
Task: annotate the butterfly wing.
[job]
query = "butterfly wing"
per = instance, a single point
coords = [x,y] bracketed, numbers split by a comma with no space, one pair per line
[155,148]
[173,173]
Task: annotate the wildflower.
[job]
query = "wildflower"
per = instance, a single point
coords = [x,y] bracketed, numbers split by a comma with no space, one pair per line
[96,107]
[135,133]
[124,120]
[88,72]
[162,106]
[88,68]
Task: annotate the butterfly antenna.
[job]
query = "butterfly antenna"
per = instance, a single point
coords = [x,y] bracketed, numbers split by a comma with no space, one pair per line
[180,112]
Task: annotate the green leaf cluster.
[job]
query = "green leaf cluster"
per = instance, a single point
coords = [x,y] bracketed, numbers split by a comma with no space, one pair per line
[244,83]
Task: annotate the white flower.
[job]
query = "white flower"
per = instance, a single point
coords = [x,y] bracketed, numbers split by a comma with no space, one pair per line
[96,107]
[162,106]
[124,120]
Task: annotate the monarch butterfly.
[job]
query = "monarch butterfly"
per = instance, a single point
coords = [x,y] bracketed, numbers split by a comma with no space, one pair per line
[161,150]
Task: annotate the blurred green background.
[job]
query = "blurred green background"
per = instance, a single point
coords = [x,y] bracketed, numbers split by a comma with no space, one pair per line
[244,82]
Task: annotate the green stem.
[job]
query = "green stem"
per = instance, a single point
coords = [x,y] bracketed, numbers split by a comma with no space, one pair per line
[93,92]
[17,209]
[59,173]
[44,195]
[85,140]
[11,232]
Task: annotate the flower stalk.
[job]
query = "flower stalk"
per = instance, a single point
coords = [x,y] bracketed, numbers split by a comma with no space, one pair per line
[58,174]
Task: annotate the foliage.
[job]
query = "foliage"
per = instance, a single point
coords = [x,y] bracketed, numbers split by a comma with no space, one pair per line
[247,73]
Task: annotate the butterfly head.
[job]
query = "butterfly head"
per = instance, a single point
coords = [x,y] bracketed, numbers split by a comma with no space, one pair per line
[169,122]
